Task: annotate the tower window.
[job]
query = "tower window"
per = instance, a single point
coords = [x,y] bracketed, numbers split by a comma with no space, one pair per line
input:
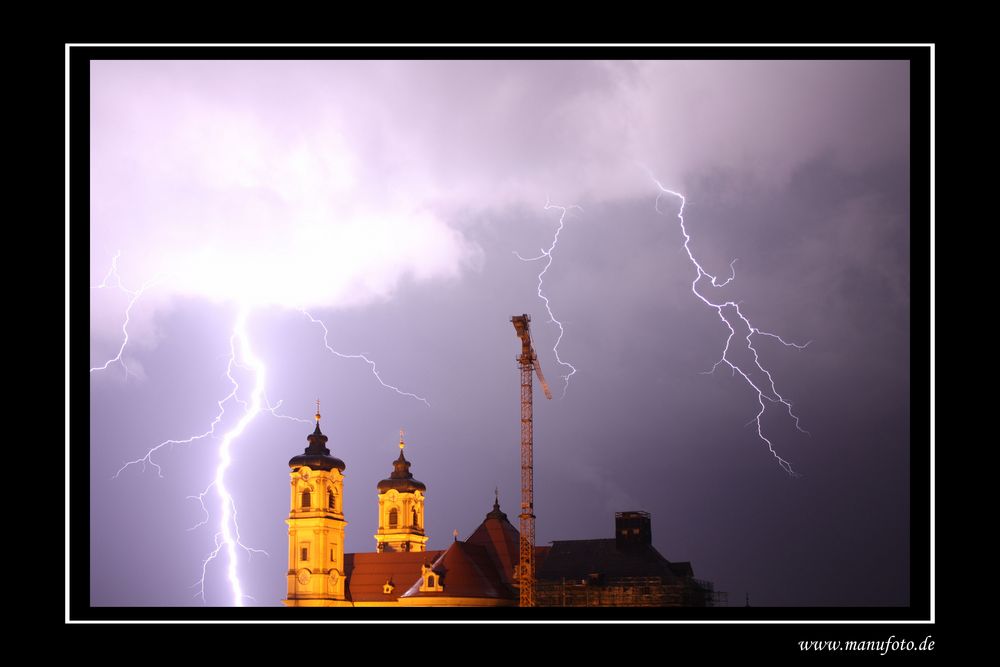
[305,553]
[415,525]
[330,499]
[306,498]
[393,517]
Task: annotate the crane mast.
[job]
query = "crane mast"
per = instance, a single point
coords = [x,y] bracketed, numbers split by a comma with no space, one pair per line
[527,362]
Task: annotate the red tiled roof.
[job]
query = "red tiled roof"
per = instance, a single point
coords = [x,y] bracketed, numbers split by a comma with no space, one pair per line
[467,571]
[501,540]
[367,573]
[481,567]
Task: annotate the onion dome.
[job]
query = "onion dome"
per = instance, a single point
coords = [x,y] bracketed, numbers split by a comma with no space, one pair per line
[401,479]
[316,455]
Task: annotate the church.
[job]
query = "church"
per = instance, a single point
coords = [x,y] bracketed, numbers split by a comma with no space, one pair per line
[478,572]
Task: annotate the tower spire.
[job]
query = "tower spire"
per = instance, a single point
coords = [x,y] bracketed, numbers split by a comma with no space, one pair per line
[316,526]
[401,507]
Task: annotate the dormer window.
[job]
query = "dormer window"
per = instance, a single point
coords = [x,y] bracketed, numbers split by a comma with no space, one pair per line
[432,580]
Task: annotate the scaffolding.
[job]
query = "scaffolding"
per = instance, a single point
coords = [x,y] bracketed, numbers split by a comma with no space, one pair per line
[598,591]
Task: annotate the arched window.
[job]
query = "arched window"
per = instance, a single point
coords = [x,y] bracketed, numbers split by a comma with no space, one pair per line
[393,517]
[306,498]
[431,581]
[415,524]
[330,499]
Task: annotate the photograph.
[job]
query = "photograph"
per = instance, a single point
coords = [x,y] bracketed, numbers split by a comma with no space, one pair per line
[501,333]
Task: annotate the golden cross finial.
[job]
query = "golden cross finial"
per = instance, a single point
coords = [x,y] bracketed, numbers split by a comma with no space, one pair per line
[401,443]
[317,409]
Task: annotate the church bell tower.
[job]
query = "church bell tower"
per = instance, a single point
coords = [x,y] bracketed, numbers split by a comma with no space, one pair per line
[401,509]
[316,526]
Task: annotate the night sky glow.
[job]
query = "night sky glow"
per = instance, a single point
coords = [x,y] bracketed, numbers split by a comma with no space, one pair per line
[266,233]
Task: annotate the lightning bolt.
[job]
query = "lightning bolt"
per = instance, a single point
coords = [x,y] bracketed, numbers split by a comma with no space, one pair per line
[768,392]
[547,255]
[326,343]
[147,459]
[227,538]
[136,295]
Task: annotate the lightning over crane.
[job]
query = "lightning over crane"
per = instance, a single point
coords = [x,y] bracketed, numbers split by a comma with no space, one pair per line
[527,362]
[547,255]
[729,312]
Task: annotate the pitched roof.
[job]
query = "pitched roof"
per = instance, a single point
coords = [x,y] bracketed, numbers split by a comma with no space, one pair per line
[480,567]
[578,559]
[367,573]
[465,570]
[501,540]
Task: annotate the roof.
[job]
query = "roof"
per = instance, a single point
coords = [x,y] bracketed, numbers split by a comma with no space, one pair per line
[401,478]
[465,570]
[367,573]
[483,566]
[501,540]
[480,567]
[316,455]
[578,559]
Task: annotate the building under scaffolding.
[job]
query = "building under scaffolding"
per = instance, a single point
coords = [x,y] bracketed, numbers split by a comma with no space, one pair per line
[626,571]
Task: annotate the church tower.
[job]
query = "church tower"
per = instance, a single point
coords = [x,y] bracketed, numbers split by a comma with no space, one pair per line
[401,509]
[316,527]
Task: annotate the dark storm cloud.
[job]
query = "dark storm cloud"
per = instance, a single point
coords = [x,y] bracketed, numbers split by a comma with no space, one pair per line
[798,169]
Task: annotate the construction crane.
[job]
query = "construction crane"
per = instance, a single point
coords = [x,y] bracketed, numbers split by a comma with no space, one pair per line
[527,361]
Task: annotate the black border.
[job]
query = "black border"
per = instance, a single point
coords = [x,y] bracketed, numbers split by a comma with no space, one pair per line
[920,262]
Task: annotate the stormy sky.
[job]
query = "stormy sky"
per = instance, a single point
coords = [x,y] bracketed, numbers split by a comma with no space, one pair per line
[388,199]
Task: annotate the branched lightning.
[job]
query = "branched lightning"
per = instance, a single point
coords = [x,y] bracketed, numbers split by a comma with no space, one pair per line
[273,409]
[136,295]
[768,393]
[547,255]
[227,536]
[326,343]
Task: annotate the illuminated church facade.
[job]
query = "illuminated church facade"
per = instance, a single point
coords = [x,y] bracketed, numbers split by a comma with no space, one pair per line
[477,572]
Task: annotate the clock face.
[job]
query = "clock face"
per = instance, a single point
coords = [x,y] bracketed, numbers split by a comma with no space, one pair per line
[334,577]
[304,576]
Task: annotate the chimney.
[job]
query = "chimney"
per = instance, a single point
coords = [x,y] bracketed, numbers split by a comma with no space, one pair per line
[633,530]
